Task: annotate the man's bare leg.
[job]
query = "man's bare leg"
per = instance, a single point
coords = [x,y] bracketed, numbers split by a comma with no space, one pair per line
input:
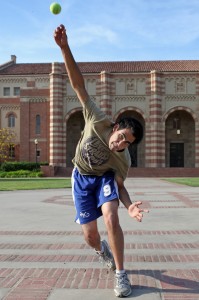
[115,233]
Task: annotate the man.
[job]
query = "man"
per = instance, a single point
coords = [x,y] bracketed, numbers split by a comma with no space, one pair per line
[101,165]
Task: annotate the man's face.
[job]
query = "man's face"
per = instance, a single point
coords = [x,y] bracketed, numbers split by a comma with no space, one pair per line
[120,139]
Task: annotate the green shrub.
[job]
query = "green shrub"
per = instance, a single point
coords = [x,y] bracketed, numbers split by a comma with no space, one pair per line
[21,174]
[15,166]
[3,174]
[44,163]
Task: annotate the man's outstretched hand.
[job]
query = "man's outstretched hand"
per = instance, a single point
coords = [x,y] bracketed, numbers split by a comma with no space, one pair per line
[60,36]
[136,212]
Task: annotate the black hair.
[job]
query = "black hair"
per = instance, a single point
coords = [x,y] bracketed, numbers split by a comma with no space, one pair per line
[135,126]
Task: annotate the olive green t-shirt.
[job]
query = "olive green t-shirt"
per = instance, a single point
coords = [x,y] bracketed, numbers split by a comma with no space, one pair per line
[93,156]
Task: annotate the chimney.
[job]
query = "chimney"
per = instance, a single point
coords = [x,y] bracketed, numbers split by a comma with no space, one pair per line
[14,58]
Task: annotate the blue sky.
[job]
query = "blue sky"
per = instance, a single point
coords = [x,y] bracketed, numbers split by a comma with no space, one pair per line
[101,30]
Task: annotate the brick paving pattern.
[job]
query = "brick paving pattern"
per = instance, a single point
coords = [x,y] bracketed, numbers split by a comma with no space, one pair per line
[165,261]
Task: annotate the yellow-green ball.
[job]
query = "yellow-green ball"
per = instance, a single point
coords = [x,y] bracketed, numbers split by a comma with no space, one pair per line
[55,8]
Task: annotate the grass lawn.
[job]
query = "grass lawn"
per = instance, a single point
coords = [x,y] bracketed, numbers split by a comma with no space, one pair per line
[9,184]
[12,184]
[191,181]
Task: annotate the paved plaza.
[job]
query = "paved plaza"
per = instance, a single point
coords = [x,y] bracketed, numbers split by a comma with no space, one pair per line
[43,255]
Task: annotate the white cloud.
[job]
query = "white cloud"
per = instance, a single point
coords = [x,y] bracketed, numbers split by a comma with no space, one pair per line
[112,28]
[93,33]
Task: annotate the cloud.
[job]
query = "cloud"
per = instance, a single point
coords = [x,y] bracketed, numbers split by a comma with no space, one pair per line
[111,28]
[164,22]
[93,34]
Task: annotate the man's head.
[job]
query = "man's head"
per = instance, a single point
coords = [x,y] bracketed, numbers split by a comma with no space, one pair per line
[125,132]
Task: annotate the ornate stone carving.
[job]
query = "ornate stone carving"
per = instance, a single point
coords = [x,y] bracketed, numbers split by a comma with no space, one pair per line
[10,107]
[42,80]
[72,99]
[37,100]
[130,86]
[181,98]
[180,86]
[75,99]
[129,98]
[13,80]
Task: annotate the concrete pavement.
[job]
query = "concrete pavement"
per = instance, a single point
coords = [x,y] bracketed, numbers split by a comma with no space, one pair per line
[43,255]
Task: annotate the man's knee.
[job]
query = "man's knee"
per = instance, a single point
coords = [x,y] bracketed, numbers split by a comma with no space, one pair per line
[90,237]
[91,234]
[111,220]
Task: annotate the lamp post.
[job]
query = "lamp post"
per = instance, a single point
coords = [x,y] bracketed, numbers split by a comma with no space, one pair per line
[36,143]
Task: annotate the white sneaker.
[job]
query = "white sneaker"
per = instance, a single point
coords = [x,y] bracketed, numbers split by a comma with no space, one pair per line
[106,257]
[122,286]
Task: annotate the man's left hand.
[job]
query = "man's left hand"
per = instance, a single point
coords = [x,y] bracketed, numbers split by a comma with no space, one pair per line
[136,212]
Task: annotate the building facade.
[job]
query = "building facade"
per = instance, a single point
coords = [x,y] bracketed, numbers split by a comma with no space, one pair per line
[38,103]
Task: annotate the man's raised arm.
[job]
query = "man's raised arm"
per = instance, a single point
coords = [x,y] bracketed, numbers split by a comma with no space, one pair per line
[74,74]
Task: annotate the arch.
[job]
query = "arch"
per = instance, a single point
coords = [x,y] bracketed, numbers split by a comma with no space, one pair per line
[137,152]
[11,119]
[129,108]
[11,113]
[71,112]
[179,108]
[180,123]
[74,124]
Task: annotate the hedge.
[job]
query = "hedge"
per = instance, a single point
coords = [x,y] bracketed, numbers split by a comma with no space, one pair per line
[21,174]
[15,166]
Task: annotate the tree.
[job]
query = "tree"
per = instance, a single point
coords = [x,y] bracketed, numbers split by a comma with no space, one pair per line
[7,137]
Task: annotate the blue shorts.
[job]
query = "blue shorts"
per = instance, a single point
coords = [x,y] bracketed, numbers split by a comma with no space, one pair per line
[90,192]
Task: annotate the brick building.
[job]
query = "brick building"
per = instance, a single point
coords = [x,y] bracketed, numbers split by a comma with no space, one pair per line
[38,103]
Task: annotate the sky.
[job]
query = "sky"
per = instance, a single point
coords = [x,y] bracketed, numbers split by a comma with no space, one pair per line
[100,30]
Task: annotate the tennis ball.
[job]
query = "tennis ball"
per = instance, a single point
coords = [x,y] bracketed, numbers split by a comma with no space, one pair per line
[55,8]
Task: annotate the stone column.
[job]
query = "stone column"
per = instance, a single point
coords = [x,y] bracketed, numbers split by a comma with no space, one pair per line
[155,152]
[25,127]
[197,128]
[196,144]
[57,136]
[106,92]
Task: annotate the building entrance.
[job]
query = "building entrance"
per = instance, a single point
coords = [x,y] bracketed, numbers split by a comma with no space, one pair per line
[133,154]
[177,155]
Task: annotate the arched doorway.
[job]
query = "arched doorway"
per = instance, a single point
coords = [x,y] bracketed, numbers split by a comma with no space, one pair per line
[75,125]
[137,152]
[180,140]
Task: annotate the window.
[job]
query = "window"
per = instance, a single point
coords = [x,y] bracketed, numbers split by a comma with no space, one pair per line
[16,91]
[38,124]
[11,120]
[6,91]
[11,151]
